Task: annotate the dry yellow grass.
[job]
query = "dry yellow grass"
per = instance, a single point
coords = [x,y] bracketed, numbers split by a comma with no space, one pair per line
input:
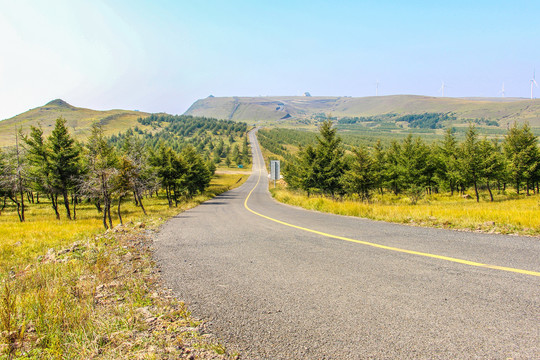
[22,242]
[507,215]
[69,290]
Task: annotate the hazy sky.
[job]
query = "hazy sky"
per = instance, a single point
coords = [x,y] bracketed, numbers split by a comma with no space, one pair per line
[163,55]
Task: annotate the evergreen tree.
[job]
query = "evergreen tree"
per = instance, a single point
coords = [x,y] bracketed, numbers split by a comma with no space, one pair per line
[360,178]
[449,169]
[38,156]
[393,173]
[170,169]
[245,151]
[197,174]
[64,161]
[413,166]
[473,164]
[379,166]
[328,166]
[493,162]
[299,173]
[521,150]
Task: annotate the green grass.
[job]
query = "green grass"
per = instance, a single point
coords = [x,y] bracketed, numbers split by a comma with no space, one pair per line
[264,110]
[79,121]
[71,290]
[509,214]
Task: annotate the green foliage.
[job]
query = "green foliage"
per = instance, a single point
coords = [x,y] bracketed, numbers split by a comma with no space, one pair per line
[64,164]
[106,169]
[328,166]
[409,166]
[197,176]
[472,162]
[360,178]
[521,149]
[319,168]
[423,121]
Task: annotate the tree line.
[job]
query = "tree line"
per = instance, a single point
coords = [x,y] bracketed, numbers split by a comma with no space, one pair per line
[67,172]
[415,168]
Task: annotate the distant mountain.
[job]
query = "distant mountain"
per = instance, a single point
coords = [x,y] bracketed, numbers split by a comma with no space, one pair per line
[286,108]
[79,120]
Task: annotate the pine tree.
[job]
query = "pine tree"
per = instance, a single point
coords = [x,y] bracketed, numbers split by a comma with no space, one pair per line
[38,156]
[379,165]
[328,166]
[393,171]
[521,150]
[360,178]
[449,171]
[472,159]
[493,162]
[64,161]
[197,174]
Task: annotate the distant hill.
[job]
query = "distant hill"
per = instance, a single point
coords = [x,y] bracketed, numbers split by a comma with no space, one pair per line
[286,108]
[78,119]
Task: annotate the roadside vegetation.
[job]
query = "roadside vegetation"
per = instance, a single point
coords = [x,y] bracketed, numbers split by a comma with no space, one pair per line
[478,183]
[76,269]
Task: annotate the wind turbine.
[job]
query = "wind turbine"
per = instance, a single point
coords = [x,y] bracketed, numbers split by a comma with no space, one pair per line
[442,88]
[502,91]
[533,83]
[377,88]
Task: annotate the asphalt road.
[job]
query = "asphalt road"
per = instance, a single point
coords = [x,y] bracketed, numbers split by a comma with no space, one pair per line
[272,291]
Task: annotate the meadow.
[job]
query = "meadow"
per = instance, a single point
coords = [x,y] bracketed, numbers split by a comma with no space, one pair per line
[70,290]
[508,214]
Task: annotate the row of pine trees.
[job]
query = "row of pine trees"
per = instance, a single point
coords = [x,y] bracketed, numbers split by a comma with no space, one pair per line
[416,168]
[67,172]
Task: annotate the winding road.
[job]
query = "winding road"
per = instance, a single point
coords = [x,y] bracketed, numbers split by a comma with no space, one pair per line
[279,282]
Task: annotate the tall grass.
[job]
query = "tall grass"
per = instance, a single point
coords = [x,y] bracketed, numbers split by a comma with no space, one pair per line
[71,290]
[509,214]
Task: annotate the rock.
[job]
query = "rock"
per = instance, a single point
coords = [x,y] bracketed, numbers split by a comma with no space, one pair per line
[64,251]
[150,319]
[50,256]
[144,311]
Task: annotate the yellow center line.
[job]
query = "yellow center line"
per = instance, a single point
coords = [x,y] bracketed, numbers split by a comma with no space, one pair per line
[412,252]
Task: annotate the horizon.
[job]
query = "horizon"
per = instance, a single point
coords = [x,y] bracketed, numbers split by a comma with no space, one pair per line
[471,98]
[164,56]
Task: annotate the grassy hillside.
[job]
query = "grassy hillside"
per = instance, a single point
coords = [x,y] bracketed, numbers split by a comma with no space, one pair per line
[78,120]
[298,109]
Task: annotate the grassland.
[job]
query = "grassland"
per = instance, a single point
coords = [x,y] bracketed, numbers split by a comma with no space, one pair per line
[274,110]
[508,214]
[69,290]
[78,119]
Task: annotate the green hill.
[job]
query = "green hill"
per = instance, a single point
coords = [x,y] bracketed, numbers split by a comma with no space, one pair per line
[78,119]
[297,108]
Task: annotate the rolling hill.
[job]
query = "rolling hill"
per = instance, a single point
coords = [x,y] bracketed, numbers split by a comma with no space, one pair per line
[286,108]
[79,120]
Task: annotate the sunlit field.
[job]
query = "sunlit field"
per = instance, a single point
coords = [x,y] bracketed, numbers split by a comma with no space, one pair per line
[508,214]
[72,290]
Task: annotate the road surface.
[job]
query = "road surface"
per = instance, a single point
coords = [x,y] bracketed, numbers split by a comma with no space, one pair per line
[274,284]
